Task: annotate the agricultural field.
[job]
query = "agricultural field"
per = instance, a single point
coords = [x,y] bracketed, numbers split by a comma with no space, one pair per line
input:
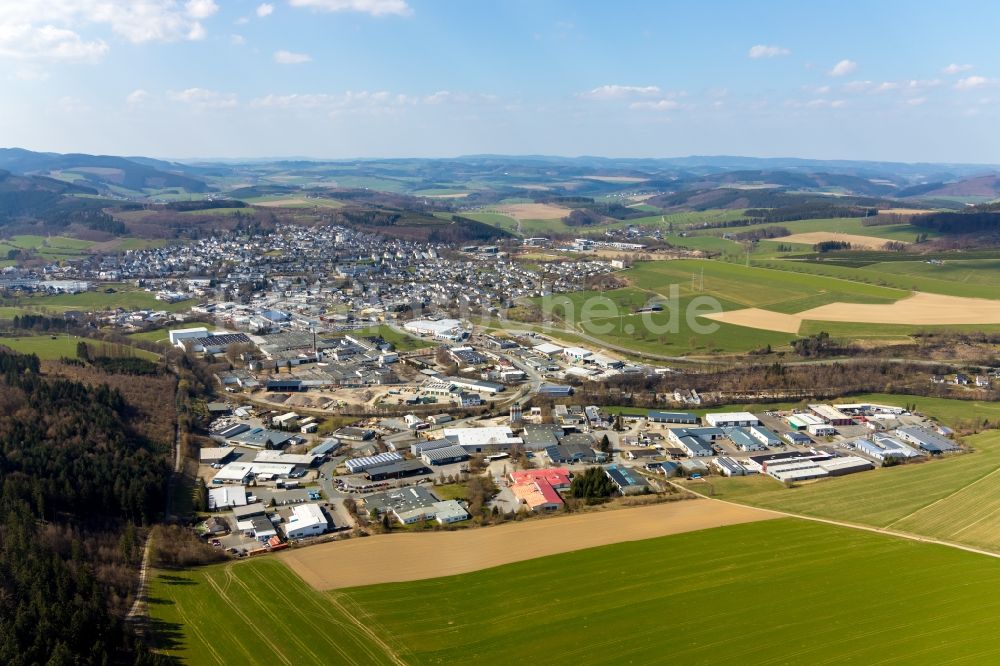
[258,611]
[908,277]
[124,296]
[905,233]
[49,247]
[55,347]
[611,318]
[541,219]
[293,202]
[973,271]
[954,498]
[704,243]
[770,289]
[846,330]
[500,220]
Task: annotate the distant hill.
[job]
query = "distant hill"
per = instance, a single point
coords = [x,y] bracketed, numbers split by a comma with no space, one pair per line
[101,171]
[33,196]
[987,187]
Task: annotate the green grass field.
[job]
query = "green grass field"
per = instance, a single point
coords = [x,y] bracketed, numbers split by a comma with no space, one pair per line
[55,347]
[905,233]
[124,296]
[704,243]
[670,221]
[49,247]
[887,275]
[783,591]
[846,330]
[766,288]
[955,498]
[401,341]
[494,220]
[161,335]
[610,316]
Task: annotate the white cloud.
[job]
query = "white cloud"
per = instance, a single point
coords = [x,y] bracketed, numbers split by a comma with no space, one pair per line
[265,9]
[817,103]
[365,101]
[971,82]
[137,97]
[447,96]
[954,68]
[294,101]
[907,87]
[28,42]
[290,58]
[915,101]
[201,9]
[237,40]
[658,105]
[615,91]
[204,99]
[373,7]
[765,51]
[843,68]
[196,33]
[53,29]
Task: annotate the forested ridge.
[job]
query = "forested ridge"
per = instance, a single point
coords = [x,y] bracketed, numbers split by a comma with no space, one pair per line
[76,481]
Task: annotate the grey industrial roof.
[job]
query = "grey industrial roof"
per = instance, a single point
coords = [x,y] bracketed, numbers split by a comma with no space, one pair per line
[672,417]
[404,499]
[928,440]
[625,477]
[446,452]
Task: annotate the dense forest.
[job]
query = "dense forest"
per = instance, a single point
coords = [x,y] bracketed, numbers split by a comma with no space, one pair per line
[977,220]
[76,479]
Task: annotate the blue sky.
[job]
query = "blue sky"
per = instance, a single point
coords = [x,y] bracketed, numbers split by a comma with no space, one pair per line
[909,81]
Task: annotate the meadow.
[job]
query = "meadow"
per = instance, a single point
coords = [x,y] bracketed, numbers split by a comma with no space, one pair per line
[610,317]
[401,341]
[767,288]
[954,499]
[905,233]
[55,347]
[730,595]
[124,296]
[500,220]
[980,281]
[670,221]
[161,335]
[50,247]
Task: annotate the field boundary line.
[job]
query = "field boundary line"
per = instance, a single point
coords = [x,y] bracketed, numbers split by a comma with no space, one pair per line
[239,611]
[856,526]
[946,497]
[335,600]
[267,611]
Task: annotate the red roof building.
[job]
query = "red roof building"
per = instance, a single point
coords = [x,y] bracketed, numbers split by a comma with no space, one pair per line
[557,477]
[539,495]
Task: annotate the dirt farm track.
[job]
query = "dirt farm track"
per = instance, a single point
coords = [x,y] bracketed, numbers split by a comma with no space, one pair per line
[418,555]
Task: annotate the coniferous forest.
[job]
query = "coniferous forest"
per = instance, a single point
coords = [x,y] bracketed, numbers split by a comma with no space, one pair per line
[77,484]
